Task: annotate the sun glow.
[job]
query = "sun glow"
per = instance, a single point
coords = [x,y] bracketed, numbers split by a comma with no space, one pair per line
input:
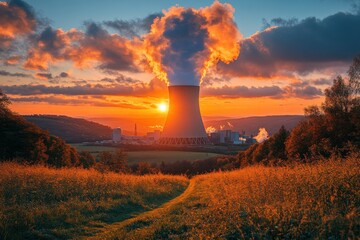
[162,107]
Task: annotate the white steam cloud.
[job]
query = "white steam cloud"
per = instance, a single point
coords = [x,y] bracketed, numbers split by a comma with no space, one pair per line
[210,129]
[262,135]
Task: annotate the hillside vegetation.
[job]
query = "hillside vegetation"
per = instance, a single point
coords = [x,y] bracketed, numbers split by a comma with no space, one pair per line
[23,141]
[319,201]
[72,130]
[42,203]
[332,129]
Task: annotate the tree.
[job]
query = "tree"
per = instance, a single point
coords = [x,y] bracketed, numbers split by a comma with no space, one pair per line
[331,128]
[338,98]
[354,81]
[4,102]
[354,75]
[59,153]
[115,162]
[145,168]
[339,105]
[86,159]
[277,144]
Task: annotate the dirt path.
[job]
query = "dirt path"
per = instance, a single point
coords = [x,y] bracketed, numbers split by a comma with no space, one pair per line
[144,218]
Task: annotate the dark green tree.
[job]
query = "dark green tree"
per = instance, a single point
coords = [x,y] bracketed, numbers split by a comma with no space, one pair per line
[115,162]
[277,144]
[4,103]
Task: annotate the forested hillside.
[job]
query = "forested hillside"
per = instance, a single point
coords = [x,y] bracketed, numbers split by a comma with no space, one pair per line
[23,141]
[72,130]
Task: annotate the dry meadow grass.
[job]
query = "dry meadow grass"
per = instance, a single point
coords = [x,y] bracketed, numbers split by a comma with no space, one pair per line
[42,203]
[318,201]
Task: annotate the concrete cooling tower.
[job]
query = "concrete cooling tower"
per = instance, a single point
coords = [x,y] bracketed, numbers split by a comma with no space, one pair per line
[184,125]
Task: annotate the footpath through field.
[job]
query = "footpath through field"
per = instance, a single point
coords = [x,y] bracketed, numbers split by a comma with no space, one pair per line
[142,220]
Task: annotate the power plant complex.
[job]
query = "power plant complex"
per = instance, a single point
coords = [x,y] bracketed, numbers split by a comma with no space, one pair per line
[184,125]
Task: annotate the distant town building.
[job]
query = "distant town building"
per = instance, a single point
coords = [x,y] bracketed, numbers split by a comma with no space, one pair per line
[215,137]
[153,136]
[235,138]
[116,135]
[225,136]
[230,137]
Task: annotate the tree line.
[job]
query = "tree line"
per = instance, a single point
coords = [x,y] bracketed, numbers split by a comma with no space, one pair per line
[330,129]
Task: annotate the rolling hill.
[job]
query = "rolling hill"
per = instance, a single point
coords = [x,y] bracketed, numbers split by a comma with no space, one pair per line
[76,130]
[72,130]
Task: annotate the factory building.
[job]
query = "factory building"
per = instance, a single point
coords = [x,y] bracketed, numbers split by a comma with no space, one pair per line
[116,135]
[153,136]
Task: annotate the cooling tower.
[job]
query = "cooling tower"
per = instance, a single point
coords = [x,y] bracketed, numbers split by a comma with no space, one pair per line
[184,125]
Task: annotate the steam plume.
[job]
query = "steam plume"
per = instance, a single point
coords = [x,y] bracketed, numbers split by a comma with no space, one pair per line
[210,129]
[262,135]
[184,43]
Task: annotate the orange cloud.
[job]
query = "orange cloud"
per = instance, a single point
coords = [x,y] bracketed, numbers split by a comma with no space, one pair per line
[16,18]
[44,76]
[110,50]
[96,45]
[298,48]
[51,46]
[184,43]
[13,60]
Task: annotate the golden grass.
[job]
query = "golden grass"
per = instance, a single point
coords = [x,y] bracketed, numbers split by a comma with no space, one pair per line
[320,201]
[39,202]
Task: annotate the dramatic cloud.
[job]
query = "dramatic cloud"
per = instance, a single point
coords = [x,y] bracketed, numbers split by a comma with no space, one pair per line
[322,81]
[157,88]
[27,90]
[16,18]
[185,42]
[63,75]
[121,79]
[301,90]
[281,22]
[44,76]
[9,74]
[51,46]
[242,92]
[96,45]
[13,60]
[305,92]
[303,47]
[112,51]
[76,102]
[133,28]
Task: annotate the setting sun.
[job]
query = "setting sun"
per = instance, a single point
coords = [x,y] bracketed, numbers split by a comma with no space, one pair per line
[162,107]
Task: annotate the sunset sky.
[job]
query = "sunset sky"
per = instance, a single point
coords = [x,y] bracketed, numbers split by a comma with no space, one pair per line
[111,61]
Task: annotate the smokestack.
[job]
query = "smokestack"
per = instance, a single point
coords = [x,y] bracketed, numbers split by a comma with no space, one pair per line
[184,125]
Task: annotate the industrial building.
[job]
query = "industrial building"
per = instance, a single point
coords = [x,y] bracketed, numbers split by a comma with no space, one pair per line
[116,135]
[153,136]
[230,137]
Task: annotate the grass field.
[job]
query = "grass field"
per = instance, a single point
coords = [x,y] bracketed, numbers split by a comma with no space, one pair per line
[319,201]
[150,156]
[42,203]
